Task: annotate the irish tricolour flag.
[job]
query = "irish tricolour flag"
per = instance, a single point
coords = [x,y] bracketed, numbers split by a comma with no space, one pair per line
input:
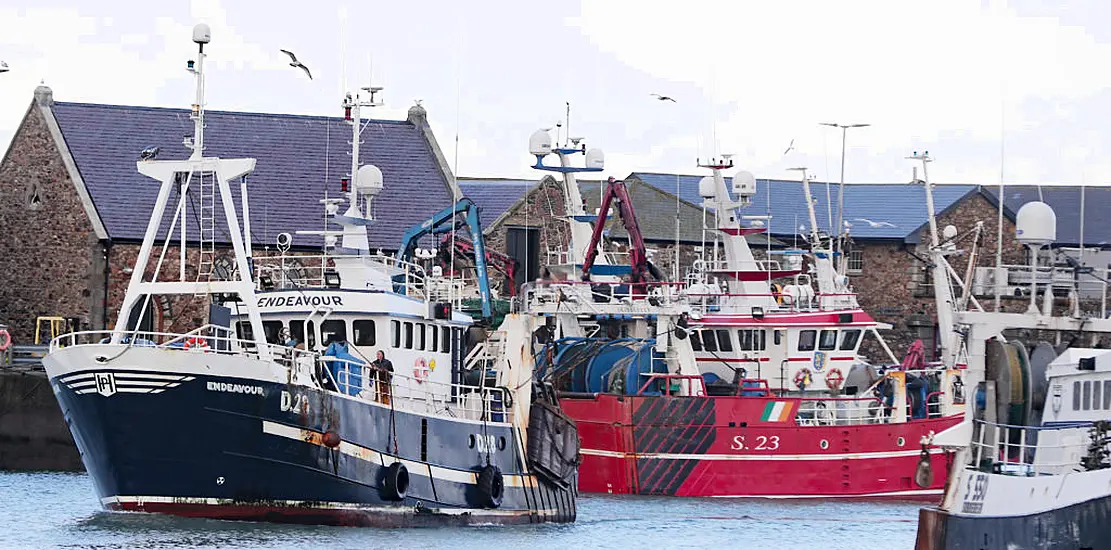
[777,411]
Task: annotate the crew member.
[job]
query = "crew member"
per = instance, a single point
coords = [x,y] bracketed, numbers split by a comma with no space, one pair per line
[383,373]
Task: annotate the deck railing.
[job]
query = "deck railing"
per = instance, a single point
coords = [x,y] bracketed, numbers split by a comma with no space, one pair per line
[1030,450]
[311,368]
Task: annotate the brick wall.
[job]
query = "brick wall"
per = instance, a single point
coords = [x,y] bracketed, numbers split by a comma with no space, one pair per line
[49,253]
[894,285]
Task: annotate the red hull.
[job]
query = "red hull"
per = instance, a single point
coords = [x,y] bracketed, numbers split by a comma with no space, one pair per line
[724,447]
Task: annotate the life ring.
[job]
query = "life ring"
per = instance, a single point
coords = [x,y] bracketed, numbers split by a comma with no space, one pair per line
[396,482]
[196,343]
[834,378]
[420,369]
[803,378]
[491,486]
[5,340]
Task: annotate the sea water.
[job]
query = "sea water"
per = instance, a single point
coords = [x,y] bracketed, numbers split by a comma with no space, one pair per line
[53,510]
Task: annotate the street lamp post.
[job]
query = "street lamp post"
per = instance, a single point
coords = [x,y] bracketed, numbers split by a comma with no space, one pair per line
[841,187]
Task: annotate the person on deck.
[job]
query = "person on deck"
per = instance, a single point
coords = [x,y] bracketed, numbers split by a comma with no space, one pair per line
[383,372]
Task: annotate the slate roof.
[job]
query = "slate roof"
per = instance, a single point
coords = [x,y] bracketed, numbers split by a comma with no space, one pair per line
[493,196]
[900,205]
[655,208]
[298,157]
[1065,202]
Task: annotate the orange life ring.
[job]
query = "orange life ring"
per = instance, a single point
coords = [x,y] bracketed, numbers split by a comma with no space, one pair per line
[196,342]
[834,378]
[803,378]
[5,340]
[420,369]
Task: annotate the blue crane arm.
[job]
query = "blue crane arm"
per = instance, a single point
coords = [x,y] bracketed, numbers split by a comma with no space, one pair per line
[441,222]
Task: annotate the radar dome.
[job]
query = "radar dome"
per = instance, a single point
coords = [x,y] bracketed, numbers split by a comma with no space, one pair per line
[1036,224]
[369,180]
[540,143]
[595,158]
[744,183]
[202,34]
[706,187]
[949,232]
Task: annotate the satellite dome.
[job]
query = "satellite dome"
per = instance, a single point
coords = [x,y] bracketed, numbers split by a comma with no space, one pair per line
[706,187]
[595,158]
[1036,224]
[540,143]
[744,183]
[949,232]
[369,180]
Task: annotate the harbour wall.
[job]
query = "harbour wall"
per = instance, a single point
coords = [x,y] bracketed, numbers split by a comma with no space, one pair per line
[33,433]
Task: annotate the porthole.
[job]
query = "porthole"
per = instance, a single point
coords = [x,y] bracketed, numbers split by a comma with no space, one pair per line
[824,444]
[900,442]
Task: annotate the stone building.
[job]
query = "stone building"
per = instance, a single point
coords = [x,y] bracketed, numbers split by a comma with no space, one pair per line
[74,208]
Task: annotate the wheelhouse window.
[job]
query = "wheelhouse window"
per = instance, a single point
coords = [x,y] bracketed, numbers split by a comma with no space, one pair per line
[1087,396]
[395,333]
[408,335]
[1107,395]
[709,341]
[806,340]
[696,341]
[445,345]
[849,338]
[272,329]
[1076,396]
[333,330]
[1095,395]
[751,339]
[434,337]
[303,333]
[421,330]
[364,332]
[828,340]
[725,343]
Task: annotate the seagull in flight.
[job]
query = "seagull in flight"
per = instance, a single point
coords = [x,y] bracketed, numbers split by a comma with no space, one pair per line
[874,224]
[3,67]
[663,98]
[297,64]
[790,147]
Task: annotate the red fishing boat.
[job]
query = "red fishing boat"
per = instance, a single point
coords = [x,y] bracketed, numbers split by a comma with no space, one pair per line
[743,380]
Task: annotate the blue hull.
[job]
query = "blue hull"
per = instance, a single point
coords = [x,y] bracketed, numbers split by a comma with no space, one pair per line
[1080,526]
[246,449]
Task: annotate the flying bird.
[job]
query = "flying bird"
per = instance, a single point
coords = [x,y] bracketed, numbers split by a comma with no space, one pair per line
[663,98]
[873,224]
[296,63]
[789,147]
[149,153]
[3,67]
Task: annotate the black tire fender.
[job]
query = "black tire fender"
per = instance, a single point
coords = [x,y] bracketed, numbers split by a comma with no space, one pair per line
[491,486]
[396,482]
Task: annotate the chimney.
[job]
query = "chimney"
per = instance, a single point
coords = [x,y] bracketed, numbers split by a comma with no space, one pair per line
[44,96]
[418,116]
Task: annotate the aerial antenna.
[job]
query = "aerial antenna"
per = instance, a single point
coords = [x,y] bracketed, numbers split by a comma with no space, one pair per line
[999,223]
[567,117]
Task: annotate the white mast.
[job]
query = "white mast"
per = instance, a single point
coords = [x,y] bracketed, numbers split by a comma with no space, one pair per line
[170,173]
[943,291]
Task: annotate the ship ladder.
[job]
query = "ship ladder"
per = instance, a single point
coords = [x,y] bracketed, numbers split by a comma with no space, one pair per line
[206,188]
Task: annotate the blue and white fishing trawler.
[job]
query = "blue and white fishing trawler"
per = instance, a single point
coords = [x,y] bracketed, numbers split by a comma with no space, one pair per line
[278,410]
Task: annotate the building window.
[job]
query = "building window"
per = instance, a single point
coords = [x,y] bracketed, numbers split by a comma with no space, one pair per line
[856,261]
[828,340]
[364,332]
[806,340]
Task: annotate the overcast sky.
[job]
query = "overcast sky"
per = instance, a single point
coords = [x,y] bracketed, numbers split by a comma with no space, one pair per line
[957,78]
